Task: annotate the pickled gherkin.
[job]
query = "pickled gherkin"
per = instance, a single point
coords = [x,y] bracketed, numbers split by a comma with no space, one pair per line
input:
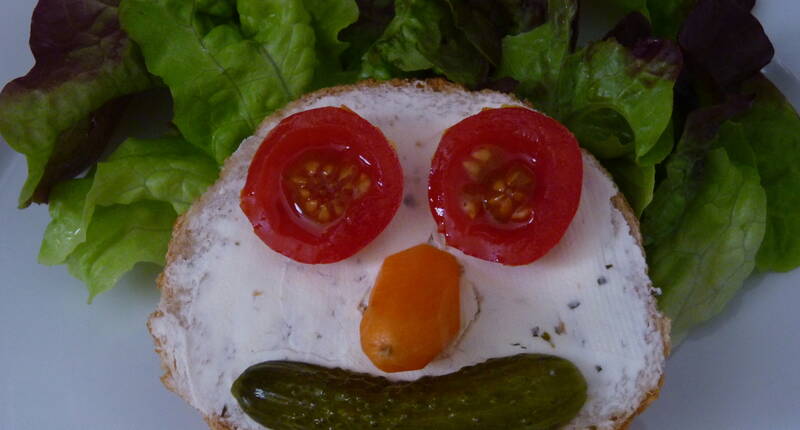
[526,391]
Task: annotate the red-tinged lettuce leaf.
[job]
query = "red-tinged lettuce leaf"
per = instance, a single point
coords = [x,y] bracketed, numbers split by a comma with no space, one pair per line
[80,146]
[61,114]
[724,43]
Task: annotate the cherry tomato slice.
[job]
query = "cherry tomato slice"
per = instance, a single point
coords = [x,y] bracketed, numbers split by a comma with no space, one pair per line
[323,184]
[505,184]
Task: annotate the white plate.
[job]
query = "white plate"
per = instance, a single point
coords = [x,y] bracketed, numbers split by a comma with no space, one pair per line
[68,365]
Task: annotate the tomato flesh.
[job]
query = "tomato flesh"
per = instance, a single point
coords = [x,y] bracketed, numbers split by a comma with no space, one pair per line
[322,185]
[505,184]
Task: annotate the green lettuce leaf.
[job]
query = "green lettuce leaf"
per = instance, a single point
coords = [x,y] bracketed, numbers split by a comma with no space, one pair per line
[618,103]
[634,5]
[704,263]
[773,128]
[733,138]
[224,78]
[66,228]
[667,16]
[423,36]
[61,114]
[535,58]
[483,24]
[166,170]
[524,15]
[118,237]
[329,18]
[373,18]
[707,219]
[636,182]
[662,148]
[685,167]
[616,100]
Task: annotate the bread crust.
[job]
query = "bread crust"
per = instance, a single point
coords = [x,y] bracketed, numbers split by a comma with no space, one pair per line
[181,245]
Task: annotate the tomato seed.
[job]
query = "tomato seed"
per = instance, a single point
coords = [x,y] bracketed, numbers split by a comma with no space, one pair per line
[324,215]
[312,167]
[473,169]
[482,154]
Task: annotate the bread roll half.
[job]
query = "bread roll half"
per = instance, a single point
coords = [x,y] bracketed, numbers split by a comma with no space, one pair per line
[228,301]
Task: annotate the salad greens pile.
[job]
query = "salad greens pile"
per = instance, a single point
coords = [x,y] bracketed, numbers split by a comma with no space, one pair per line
[671,101]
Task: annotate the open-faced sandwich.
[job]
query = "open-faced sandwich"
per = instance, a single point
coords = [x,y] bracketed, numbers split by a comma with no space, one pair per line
[409,254]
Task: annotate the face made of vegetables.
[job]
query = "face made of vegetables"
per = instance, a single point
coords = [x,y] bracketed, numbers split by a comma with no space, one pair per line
[504,186]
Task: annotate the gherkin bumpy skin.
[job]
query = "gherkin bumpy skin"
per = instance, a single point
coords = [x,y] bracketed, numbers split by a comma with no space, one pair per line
[526,391]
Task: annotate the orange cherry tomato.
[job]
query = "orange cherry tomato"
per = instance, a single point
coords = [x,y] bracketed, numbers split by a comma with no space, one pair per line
[414,309]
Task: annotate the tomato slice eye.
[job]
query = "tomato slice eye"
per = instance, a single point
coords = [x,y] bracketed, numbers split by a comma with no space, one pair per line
[323,184]
[505,184]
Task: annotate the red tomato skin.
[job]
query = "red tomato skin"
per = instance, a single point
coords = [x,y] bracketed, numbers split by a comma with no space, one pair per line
[281,227]
[558,168]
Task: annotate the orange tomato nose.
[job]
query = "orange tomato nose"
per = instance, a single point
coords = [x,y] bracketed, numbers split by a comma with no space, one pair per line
[414,309]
